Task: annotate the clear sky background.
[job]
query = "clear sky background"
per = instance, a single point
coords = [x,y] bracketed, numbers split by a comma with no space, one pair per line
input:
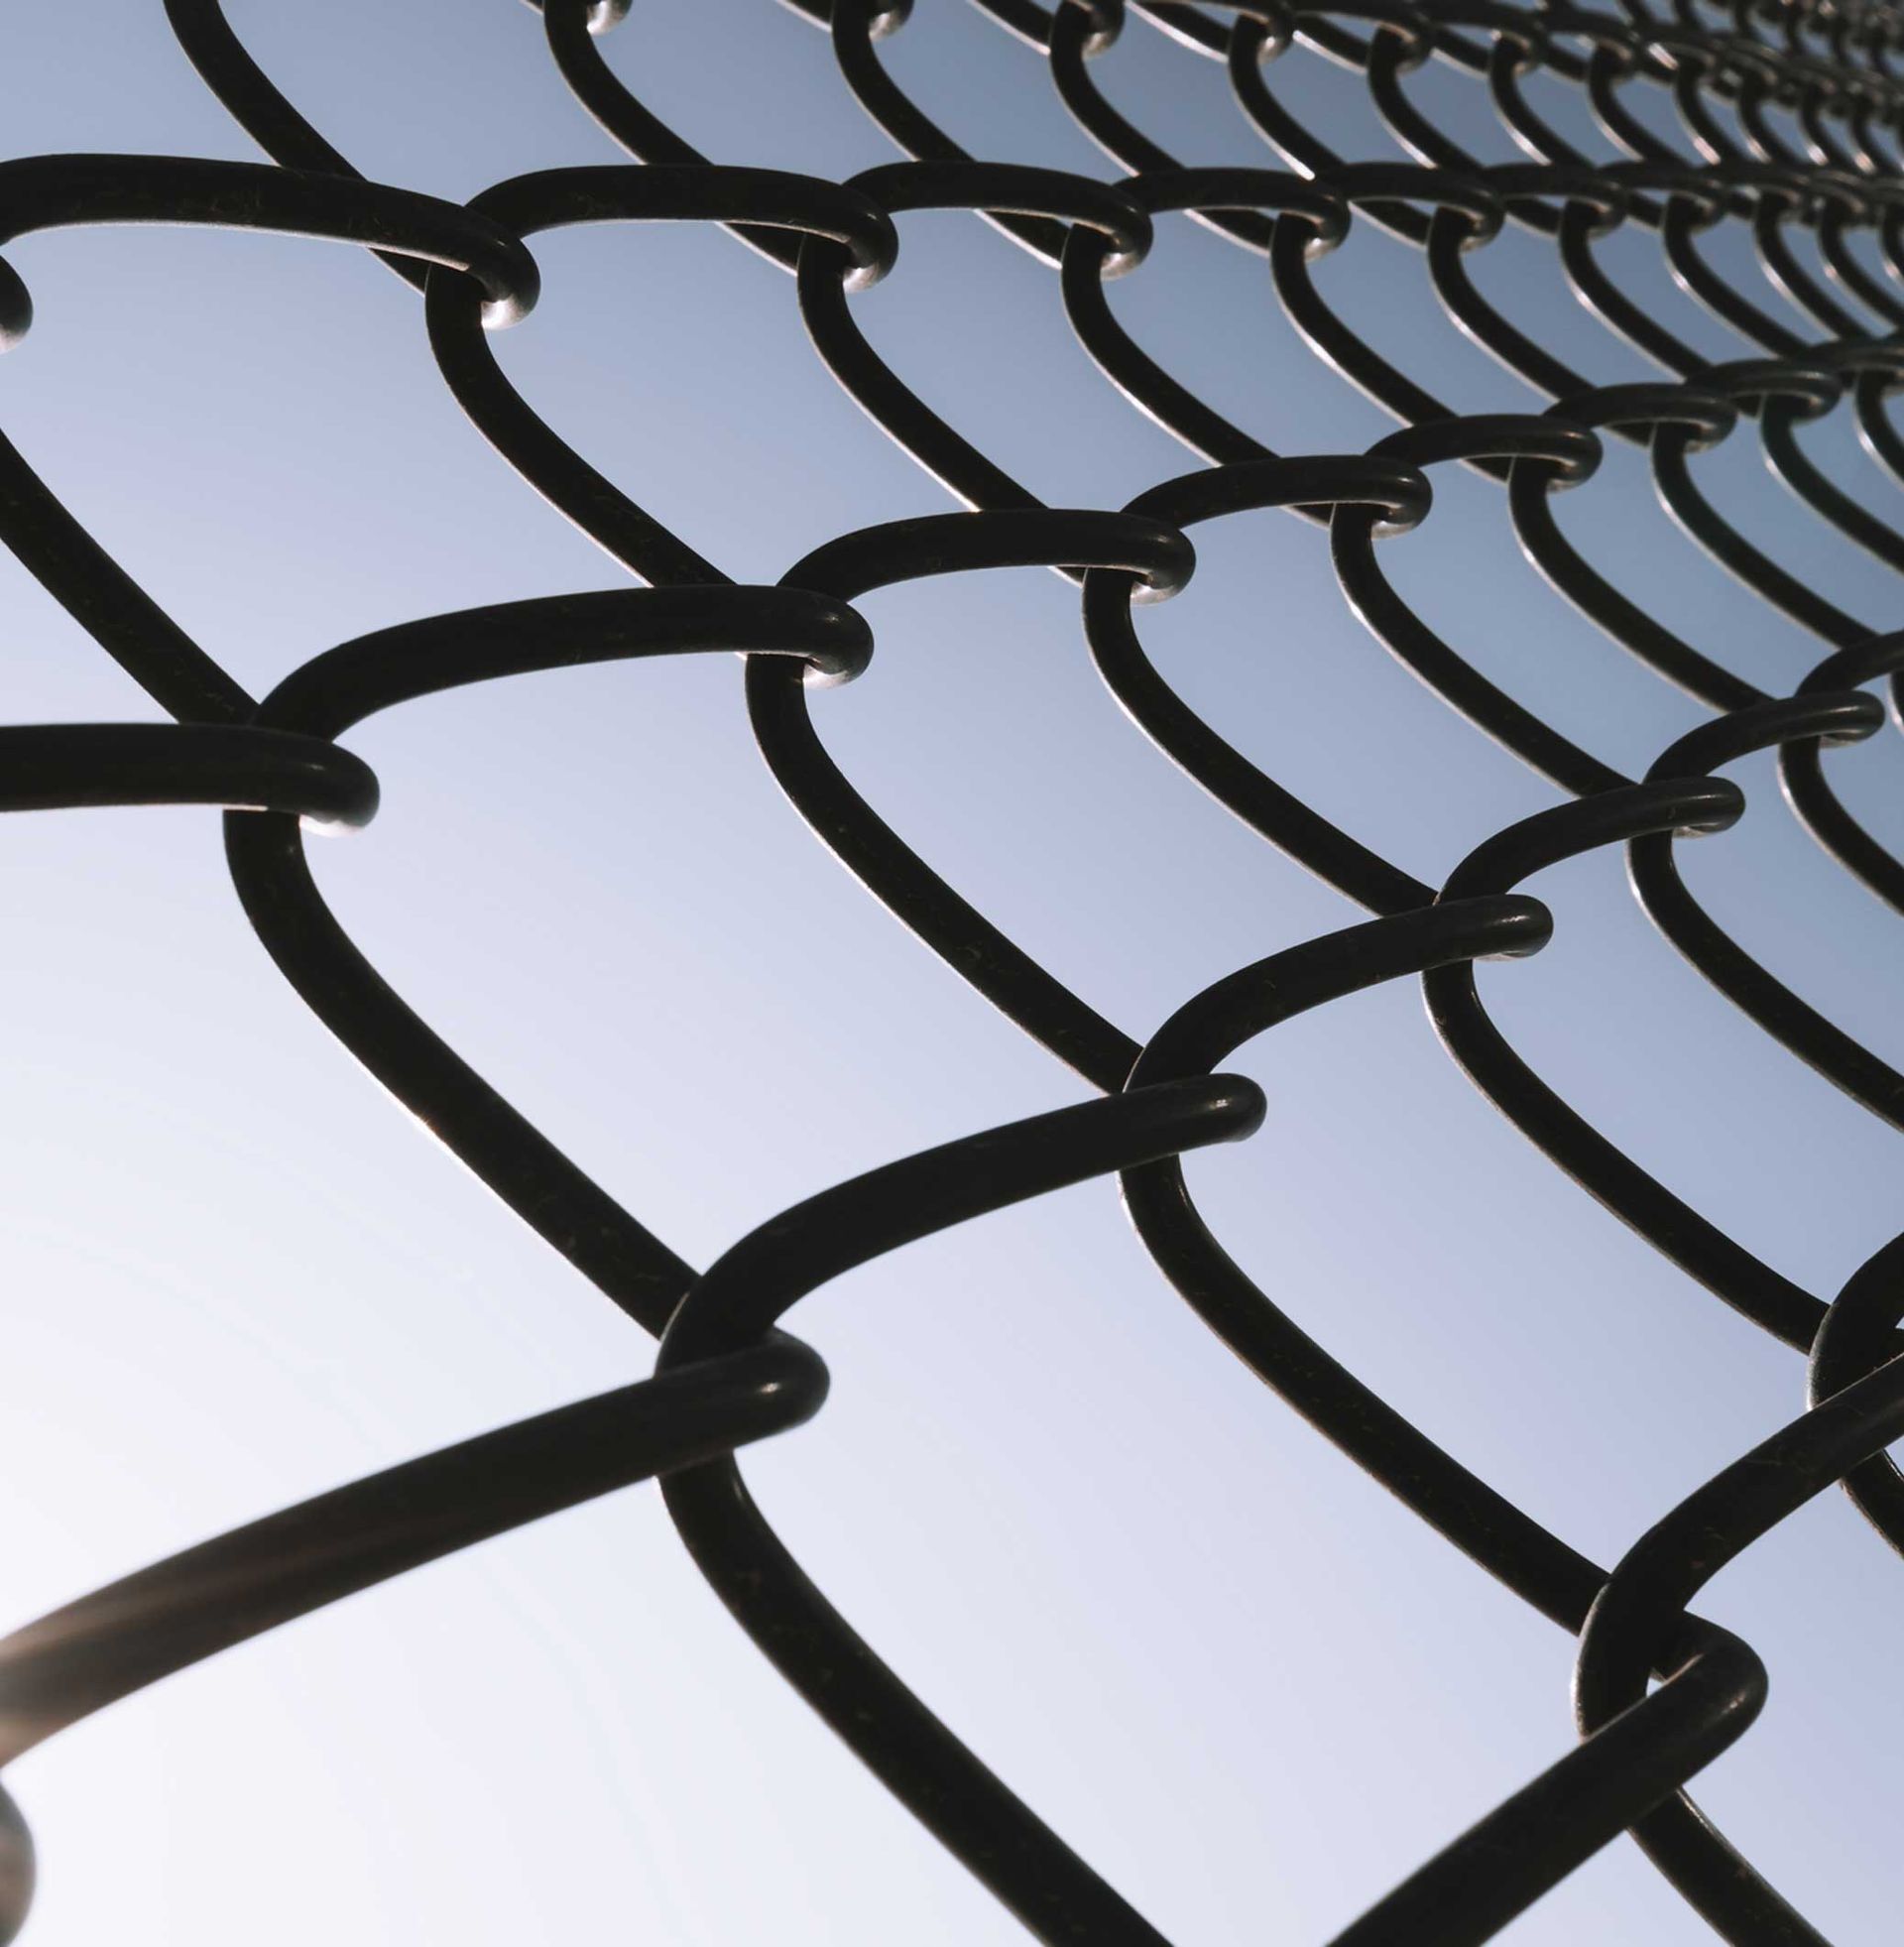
[1238,1677]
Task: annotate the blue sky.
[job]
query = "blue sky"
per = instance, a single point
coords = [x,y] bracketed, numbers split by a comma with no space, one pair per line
[1230,1670]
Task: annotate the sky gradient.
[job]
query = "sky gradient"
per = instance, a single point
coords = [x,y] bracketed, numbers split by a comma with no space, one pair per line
[1233,1672]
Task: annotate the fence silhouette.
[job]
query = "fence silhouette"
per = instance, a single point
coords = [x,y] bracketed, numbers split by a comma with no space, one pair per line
[1792,113]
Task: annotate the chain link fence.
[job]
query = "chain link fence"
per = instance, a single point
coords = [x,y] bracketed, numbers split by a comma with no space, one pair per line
[1795,113]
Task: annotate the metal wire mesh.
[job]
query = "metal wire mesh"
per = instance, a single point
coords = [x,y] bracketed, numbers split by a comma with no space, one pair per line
[1793,108]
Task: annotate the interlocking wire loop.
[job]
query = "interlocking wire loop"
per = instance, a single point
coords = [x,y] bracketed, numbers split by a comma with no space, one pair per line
[1790,113]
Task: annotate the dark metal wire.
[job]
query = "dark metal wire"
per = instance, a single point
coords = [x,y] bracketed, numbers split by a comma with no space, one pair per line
[1791,112]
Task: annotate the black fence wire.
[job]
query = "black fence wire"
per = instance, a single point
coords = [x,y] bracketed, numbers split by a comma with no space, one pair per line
[1797,110]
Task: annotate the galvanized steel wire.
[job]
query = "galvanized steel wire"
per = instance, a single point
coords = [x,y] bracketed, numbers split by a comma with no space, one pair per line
[1795,110]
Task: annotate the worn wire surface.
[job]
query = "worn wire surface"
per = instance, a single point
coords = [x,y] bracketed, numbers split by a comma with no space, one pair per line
[1795,110]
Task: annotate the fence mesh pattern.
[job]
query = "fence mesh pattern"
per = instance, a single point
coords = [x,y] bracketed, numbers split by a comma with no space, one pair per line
[1795,111]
